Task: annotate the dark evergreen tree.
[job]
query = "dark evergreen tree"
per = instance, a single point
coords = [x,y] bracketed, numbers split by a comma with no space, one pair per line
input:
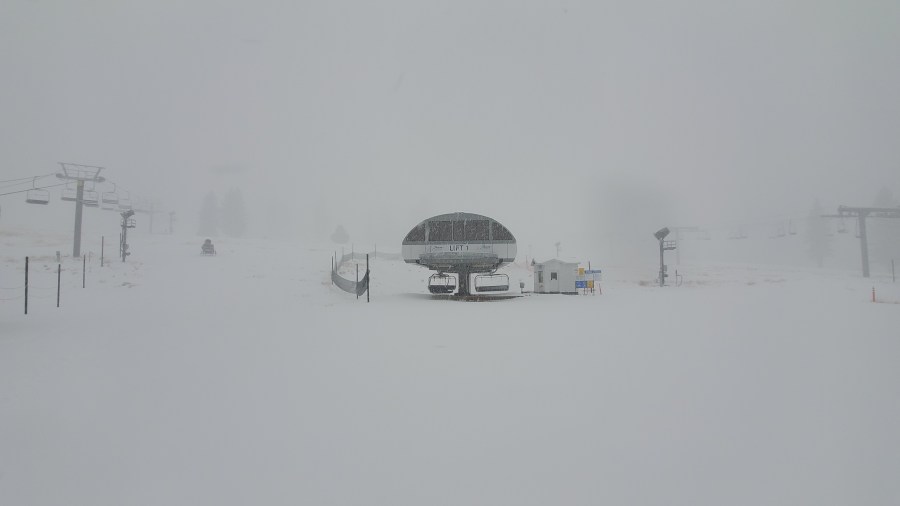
[817,234]
[209,216]
[233,217]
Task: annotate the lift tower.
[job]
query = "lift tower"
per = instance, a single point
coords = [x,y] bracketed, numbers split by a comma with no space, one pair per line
[664,246]
[79,174]
[861,213]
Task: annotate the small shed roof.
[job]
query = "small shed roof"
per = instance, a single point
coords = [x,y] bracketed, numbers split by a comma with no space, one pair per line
[556,261]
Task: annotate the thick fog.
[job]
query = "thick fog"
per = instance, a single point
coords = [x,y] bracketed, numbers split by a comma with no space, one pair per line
[591,124]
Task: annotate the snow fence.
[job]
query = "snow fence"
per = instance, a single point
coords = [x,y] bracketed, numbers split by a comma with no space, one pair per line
[350,285]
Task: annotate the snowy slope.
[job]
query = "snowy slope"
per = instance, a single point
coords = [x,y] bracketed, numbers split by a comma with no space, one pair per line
[247,378]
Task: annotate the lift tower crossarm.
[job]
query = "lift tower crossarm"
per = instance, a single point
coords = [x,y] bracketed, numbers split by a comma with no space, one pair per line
[861,213]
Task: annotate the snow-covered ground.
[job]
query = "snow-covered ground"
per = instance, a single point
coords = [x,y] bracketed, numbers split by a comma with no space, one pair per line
[246,378]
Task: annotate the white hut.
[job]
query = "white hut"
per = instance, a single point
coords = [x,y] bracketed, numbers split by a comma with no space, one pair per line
[555,276]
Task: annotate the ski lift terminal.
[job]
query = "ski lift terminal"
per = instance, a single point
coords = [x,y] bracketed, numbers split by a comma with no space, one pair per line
[462,244]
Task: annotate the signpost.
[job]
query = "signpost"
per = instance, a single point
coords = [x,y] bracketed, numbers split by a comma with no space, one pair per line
[587,278]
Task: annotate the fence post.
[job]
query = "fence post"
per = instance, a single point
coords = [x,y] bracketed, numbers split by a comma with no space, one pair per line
[368,279]
[26,285]
[58,283]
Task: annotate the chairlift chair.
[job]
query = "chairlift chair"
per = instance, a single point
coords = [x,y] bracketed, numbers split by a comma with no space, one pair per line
[69,194]
[491,283]
[842,227]
[779,231]
[441,283]
[90,198]
[109,201]
[37,196]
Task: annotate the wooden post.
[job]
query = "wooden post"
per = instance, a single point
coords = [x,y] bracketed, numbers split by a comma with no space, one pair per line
[368,279]
[58,279]
[26,285]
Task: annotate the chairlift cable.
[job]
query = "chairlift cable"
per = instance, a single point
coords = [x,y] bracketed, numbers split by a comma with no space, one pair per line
[29,189]
[31,180]
[26,178]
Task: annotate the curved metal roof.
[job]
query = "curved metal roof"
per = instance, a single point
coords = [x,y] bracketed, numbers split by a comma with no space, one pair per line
[460,216]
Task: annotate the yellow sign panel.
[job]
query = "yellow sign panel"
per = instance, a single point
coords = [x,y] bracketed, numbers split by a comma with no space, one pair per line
[581,271]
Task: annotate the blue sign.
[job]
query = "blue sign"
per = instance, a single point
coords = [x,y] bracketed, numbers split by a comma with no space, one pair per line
[581,284]
[595,271]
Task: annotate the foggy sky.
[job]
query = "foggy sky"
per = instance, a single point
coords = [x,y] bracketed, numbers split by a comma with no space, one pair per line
[567,121]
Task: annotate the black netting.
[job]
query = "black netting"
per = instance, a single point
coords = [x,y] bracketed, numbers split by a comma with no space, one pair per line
[440,231]
[416,235]
[501,233]
[477,230]
[458,227]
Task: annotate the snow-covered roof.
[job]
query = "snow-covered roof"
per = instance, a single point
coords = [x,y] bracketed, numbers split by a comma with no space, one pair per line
[555,261]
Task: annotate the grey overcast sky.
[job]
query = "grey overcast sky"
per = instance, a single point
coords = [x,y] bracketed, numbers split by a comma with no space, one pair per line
[565,120]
